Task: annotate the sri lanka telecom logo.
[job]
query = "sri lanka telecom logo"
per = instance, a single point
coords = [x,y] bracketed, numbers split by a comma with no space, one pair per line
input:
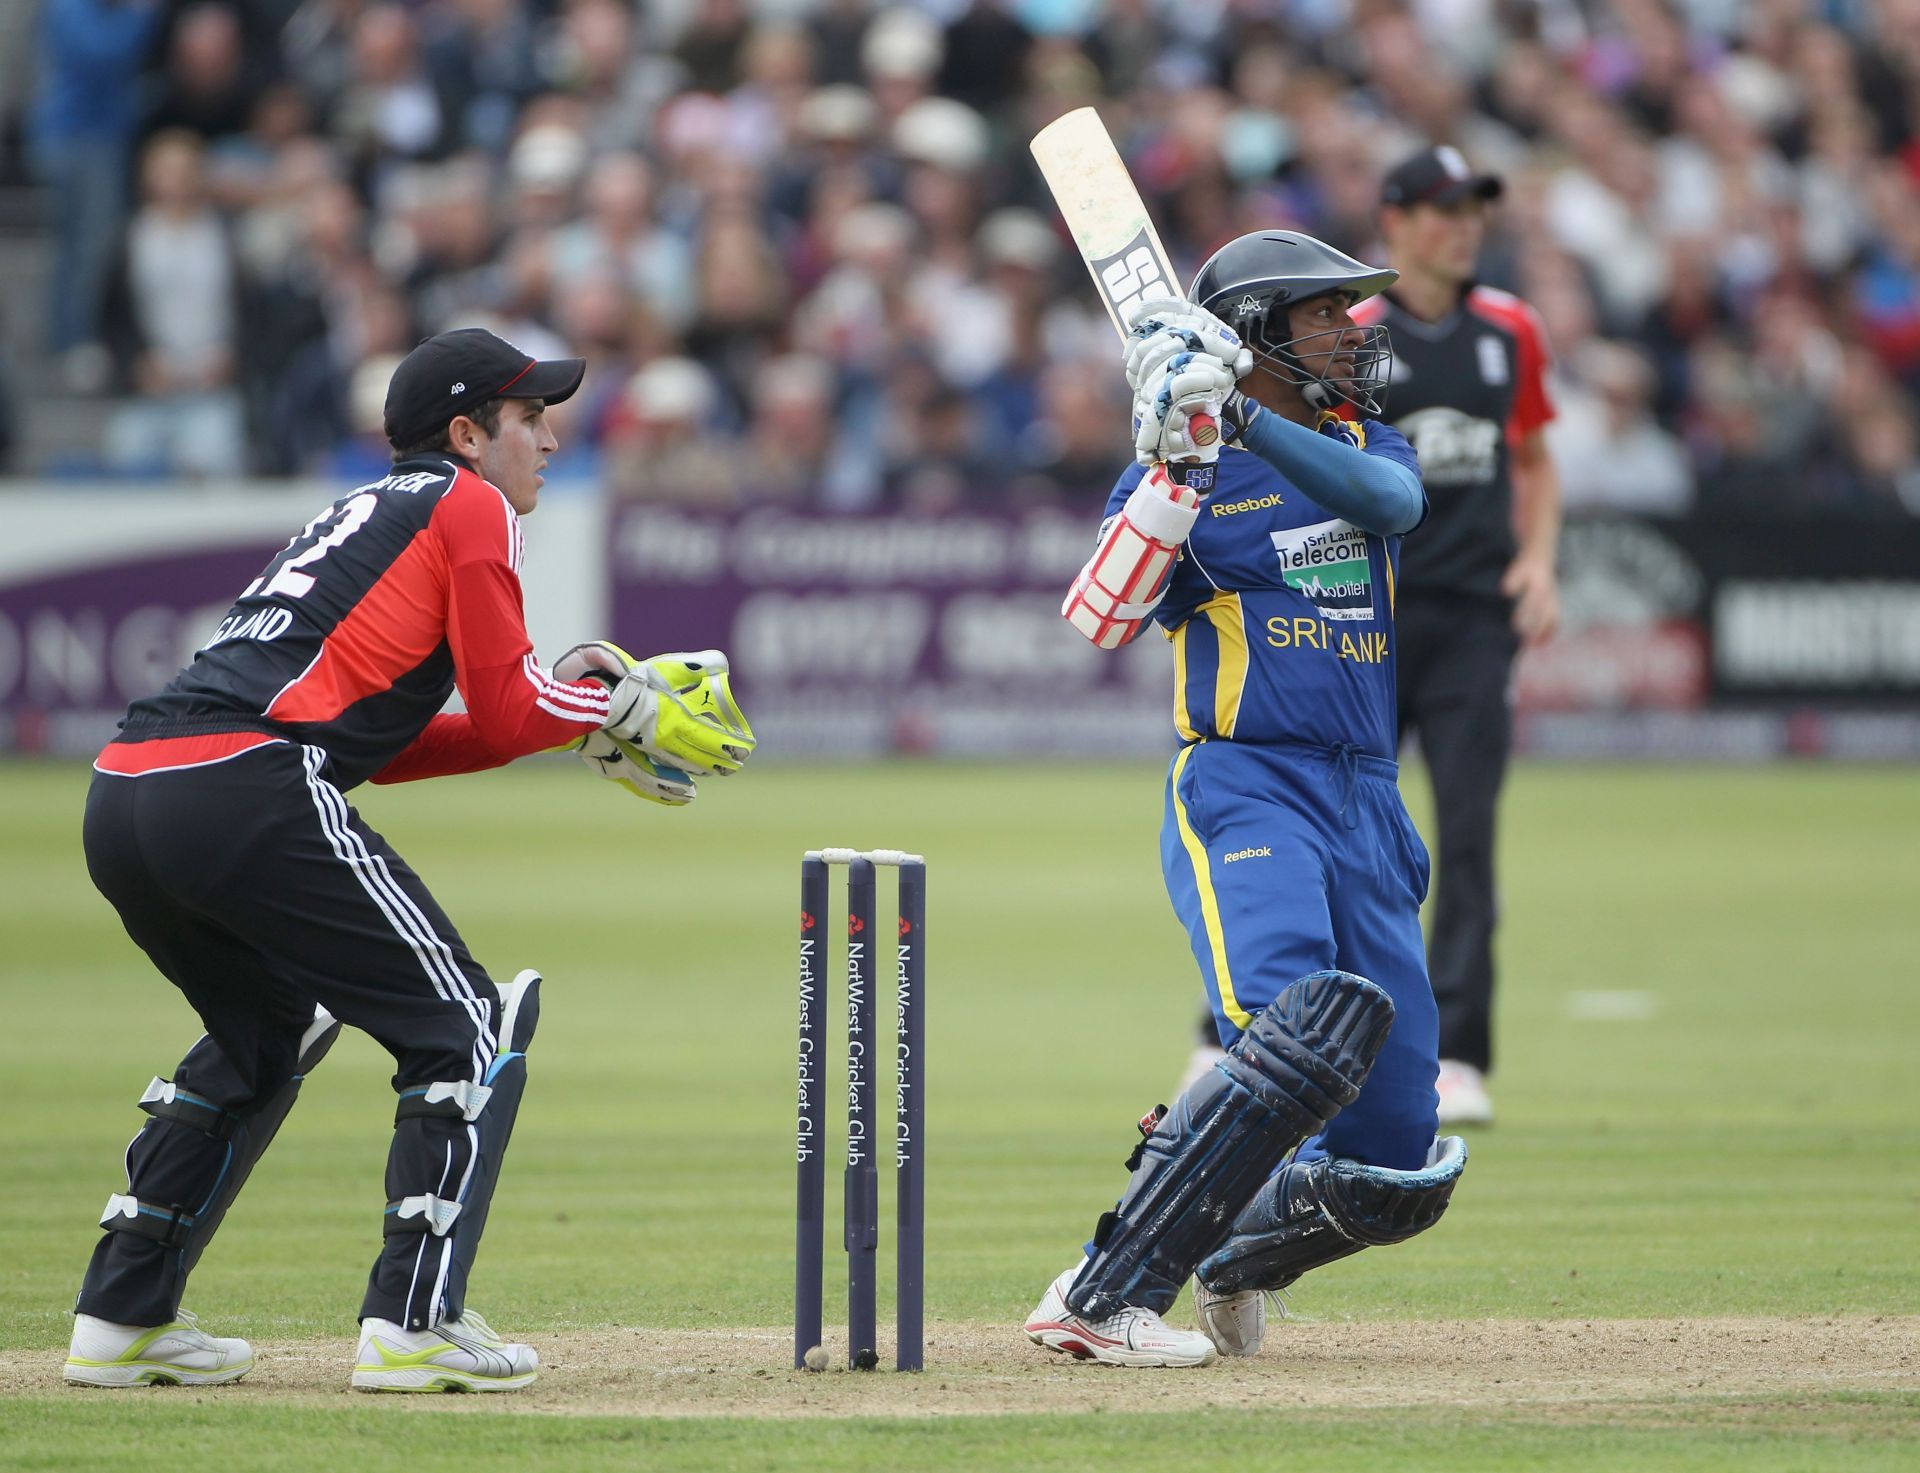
[1328,563]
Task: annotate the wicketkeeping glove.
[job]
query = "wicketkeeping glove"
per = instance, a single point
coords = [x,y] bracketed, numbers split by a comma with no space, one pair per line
[597,659]
[1162,329]
[623,763]
[679,710]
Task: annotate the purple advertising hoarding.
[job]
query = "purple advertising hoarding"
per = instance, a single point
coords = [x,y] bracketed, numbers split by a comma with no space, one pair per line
[77,646]
[854,635]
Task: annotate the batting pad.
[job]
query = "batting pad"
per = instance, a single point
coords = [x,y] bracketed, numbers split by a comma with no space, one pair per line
[1297,1064]
[1314,1214]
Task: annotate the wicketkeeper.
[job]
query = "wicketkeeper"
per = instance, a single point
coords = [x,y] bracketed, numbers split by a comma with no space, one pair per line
[218,826]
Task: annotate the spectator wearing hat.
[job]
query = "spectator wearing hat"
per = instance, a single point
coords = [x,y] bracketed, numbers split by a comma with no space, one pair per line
[665,440]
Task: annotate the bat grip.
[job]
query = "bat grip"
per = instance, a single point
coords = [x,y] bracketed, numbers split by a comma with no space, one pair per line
[1205,430]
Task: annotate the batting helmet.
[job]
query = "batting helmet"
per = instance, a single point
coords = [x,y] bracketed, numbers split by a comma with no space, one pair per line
[1253,281]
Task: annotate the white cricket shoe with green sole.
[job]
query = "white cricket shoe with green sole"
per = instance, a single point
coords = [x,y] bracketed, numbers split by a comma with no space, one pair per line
[176,1354]
[456,1355]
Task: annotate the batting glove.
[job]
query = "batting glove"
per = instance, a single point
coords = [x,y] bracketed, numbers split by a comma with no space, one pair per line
[1161,330]
[1164,430]
[679,710]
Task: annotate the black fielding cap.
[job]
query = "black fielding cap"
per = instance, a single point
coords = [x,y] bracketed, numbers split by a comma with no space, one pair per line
[456,371]
[1437,176]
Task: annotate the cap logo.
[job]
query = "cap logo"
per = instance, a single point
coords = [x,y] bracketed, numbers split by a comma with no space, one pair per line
[1248,307]
[1453,161]
[459,388]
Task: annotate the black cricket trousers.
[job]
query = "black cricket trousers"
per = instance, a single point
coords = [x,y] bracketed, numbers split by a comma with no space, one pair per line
[1454,671]
[258,892]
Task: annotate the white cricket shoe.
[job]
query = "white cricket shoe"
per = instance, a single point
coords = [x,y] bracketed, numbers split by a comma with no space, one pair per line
[1463,1094]
[456,1355]
[1133,1337]
[1235,1323]
[176,1354]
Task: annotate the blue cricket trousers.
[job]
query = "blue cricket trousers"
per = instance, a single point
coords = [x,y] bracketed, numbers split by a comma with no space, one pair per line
[1285,860]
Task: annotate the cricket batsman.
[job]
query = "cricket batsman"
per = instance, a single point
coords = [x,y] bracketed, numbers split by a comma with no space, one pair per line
[1285,847]
[218,826]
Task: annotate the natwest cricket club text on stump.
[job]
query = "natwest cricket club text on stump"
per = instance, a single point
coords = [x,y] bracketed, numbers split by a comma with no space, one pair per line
[861,1215]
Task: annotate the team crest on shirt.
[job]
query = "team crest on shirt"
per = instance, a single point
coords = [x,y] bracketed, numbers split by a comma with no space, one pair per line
[1493,358]
[1328,563]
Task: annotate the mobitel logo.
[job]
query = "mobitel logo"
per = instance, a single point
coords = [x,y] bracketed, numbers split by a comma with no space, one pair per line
[1328,563]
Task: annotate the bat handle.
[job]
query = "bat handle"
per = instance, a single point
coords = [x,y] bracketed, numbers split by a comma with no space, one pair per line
[1205,430]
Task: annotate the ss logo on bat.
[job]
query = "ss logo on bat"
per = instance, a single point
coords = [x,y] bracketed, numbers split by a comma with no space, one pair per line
[1132,276]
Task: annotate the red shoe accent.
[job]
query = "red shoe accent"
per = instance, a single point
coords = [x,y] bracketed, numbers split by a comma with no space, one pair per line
[1080,1329]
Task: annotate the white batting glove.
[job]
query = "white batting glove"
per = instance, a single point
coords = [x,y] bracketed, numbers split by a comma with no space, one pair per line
[1191,384]
[1160,330]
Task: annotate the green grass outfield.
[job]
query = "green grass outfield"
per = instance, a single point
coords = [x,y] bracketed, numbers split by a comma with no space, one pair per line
[1707,1092]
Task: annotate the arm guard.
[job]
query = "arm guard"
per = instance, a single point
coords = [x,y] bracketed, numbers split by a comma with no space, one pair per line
[1127,575]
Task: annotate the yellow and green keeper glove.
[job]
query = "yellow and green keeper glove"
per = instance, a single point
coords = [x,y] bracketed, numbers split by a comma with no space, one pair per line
[622,762]
[673,717]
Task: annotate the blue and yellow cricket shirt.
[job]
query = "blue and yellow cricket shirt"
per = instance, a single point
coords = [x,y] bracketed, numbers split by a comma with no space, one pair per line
[1280,612]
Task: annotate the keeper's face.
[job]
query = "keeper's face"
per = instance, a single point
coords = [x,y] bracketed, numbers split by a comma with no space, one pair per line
[515,454]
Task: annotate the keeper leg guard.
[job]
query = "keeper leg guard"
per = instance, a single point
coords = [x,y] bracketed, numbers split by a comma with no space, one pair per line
[448,1141]
[1302,1059]
[1327,1209]
[184,1169]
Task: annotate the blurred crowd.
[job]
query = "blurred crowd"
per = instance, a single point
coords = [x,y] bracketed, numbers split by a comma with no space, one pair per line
[803,248]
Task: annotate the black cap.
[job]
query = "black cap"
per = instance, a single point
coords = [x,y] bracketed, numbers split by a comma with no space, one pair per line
[1437,176]
[448,375]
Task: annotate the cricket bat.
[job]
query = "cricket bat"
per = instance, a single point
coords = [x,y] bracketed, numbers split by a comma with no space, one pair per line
[1109,222]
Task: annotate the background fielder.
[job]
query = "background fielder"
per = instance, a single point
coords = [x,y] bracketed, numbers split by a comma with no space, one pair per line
[1469,387]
